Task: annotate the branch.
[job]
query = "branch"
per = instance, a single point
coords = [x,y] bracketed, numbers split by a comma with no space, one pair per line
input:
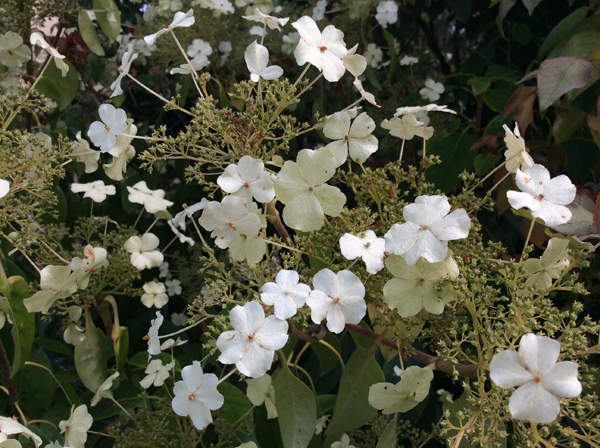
[467,371]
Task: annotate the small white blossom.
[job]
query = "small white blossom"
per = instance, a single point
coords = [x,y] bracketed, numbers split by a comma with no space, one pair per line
[366,246]
[156,373]
[95,260]
[180,20]
[223,6]
[152,200]
[75,429]
[432,90]
[406,127]
[321,424]
[257,58]
[261,390]
[248,179]
[104,133]
[356,139]
[373,55]
[356,64]
[343,443]
[104,391]
[4,312]
[290,41]
[179,319]
[409,60]
[121,152]
[123,70]
[199,47]
[143,253]
[286,294]
[428,108]
[56,282]
[38,39]
[4,187]
[96,191]
[319,10]
[387,13]
[554,260]
[367,96]
[86,154]
[154,295]
[516,154]
[173,287]
[273,23]
[11,427]
[152,336]
[188,212]
[13,52]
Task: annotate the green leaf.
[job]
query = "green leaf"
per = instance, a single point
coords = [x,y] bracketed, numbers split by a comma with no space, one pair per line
[389,438]
[327,359]
[392,53]
[61,89]
[236,403]
[121,347]
[479,85]
[412,389]
[297,410]
[15,290]
[90,359]
[582,44]
[88,33]
[484,162]
[561,31]
[372,77]
[566,123]
[105,10]
[456,158]
[505,7]
[531,5]
[326,402]
[361,371]
[560,75]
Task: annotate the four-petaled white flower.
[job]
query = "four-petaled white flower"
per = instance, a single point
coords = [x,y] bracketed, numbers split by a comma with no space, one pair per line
[373,55]
[387,13]
[199,48]
[252,343]
[223,6]
[56,282]
[339,298]
[173,287]
[121,152]
[366,246]
[86,154]
[156,373]
[261,390]
[554,260]
[76,427]
[248,179]
[541,378]
[104,133]
[273,23]
[356,138]
[179,319]
[96,191]
[152,200]
[11,427]
[180,20]
[95,260]
[427,230]
[12,50]
[319,10]
[409,60]
[154,294]
[321,424]
[38,39]
[301,187]
[257,58]
[143,253]
[197,395]
[104,391]
[324,51]
[188,212]
[356,64]
[286,294]
[406,127]
[128,57]
[152,336]
[198,63]
[546,198]
[344,442]
[432,90]
[516,154]
[290,41]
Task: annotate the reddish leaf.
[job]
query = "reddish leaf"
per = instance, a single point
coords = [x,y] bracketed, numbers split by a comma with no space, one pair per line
[561,75]
[515,100]
[525,113]
[489,140]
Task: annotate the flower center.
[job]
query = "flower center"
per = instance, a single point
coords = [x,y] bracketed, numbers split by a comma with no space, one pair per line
[166,27]
[310,188]
[538,378]
[66,427]
[246,185]
[346,138]
[191,397]
[367,244]
[145,338]
[336,300]
[231,225]
[10,52]
[120,70]
[323,48]
[540,197]
[107,127]
[424,228]
[250,336]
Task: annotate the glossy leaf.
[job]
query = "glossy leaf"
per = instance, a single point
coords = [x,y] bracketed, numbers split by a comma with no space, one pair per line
[121,346]
[61,89]
[560,75]
[562,31]
[108,17]
[88,33]
[389,438]
[531,5]
[454,151]
[236,403]
[90,359]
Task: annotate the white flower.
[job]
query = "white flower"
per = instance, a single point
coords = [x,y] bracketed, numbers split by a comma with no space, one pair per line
[223,6]
[74,334]
[339,298]
[343,443]
[188,212]
[152,336]
[319,10]
[544,197]
[181,236]
[387,13]
[180,20]
[406,127]
[95,260]
[366,246]
[121,152]
[432,90]
[179,319]
[86,154]
[4,312]
[373,55]
[554,260]
[76,427]
[356,139]
[11,427]
[516,154]
[257,30]
[367,96]
[290,41]
[154,295]
[12,50]
[301,186]
[427,230]
[257,58]
[56,282]
[169,343]
[273,23]
[170,5]
[152,200]
[199,47]
[252,343]
[199,62]
[428,108]
[286,294]
[123,70]
[4,187]
[409,60]
[356,64]
[38,39]
[248,179]
[196,395]
[150,12]
[143,253]
[261,390]
[173,287]
[104,390]
[541,378]
[156,373]
[97,190]
[163,270]
[321,424]
[324,51]
[104,133]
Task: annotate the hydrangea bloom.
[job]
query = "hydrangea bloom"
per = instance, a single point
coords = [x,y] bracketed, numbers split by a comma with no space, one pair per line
[76,427]
[96,191]
[290,41]
[12,50]
[367,246]
[319,10]
[196,395]
[156,373]
[86,154]
[554,260]
[546,198]
[143,253]
[367,96]
[188,212]
[121,152]
[428,108]
[154,295]
[128,57]
[357,139]
[180,20]
[252,343]
[339,298]
[56,282]
[373,55]
[406,127]
[273,23]
[516,153]
[152,200]
[409,60]
[4,187]
[261,390]
[11,427]
[95,260]
[104,133]
[38,39]
[199,47]
[104,391]
[344,442]
[427,230]
[257,58]
[387,13]
[540,377]
[432,90]
[356,64]
[152,336]
[286,294]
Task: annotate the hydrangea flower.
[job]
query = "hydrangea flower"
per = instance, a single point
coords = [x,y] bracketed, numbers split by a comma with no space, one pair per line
[156,373]
[252,343]
[188,212]
[319,10]
[373,55]
[344,442]
[257,58]
[180,20]
[286,293]
[428,108]
[56,282]
[554,260]
[75,429]
[173,287]
[367,96]
[387,13]
[95,260]
[104,133]
[406,127]
[104,391]
[357,139]
[196,395]
[261,390]
[4,187]
[356,64]
[152,336]
[290,41]
[365,245]
[223,6]
[152,200]
[273,23]
[546,198]
[540,377]
[86,154]
[38,39]
[301,187]
[11,427]
[403,396]
[97,191]
[143,253]
[432,90]
[179,319]
[199,47]
[516,154]
[74,334]
[154,294]
[338,298]
[325,51]
[198,63]
[12,50]
[128,57]
[409,60]
[4,312]
[121,152]
[427,230]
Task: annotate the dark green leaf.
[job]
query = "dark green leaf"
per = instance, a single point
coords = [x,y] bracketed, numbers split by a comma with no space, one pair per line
[327,359]
[531,5]
[389,438]
[105,10]
[456,158]
[90,359]
[236,403]
[479,85]
[121,347]
[88,33]
[561,31]
[61,89]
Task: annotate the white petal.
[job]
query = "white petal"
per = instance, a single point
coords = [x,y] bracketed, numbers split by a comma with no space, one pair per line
[507,371]
[538,353]
[561,379]
[534,403]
